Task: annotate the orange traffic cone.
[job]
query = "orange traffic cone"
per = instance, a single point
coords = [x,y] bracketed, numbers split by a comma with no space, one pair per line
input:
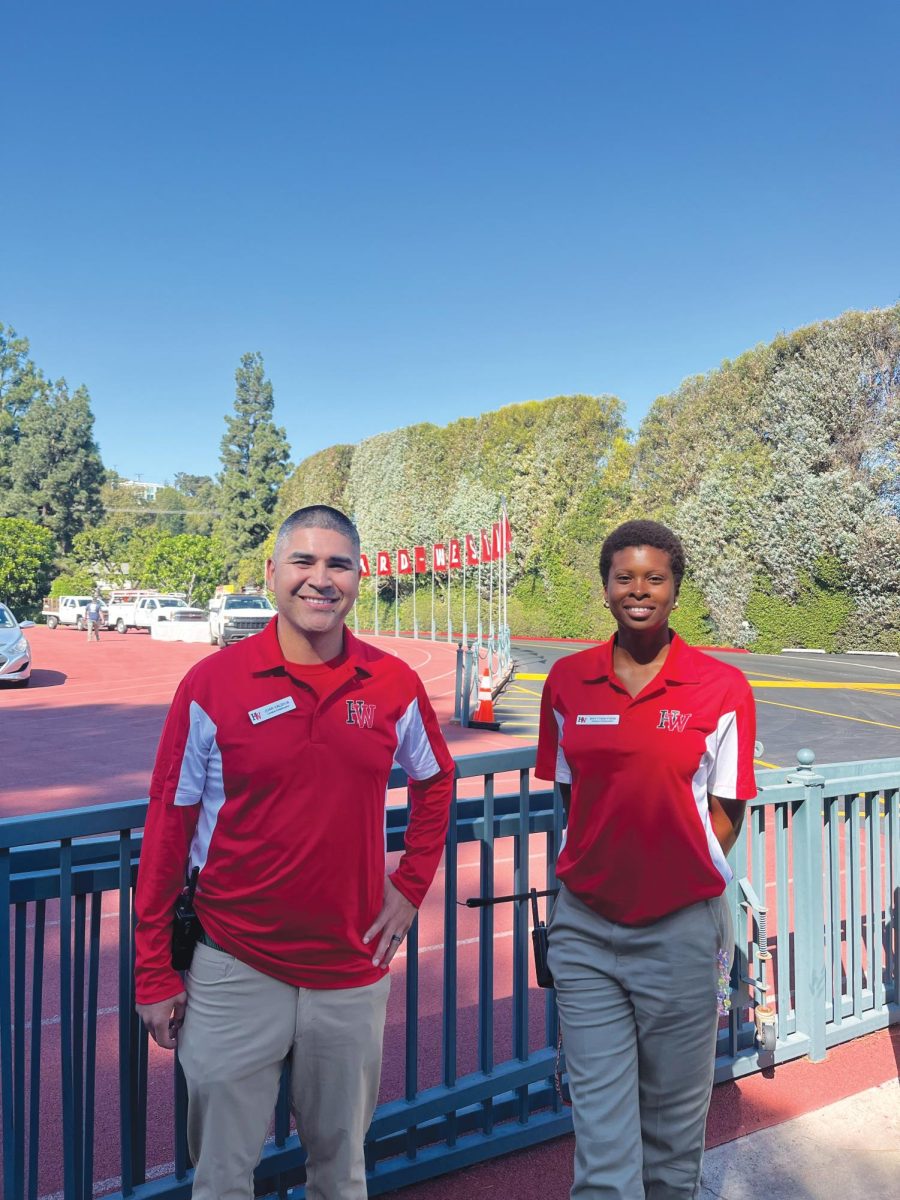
[484,713]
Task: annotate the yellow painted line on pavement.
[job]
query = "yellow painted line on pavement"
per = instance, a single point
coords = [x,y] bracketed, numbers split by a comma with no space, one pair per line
[768,675]
[838,686]
[762,762]
[820,713]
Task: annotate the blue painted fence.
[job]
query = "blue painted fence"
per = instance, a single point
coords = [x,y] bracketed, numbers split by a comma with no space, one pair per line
[815,897]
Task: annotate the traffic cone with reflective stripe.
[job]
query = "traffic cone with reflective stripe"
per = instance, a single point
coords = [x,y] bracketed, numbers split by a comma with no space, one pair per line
[484,713]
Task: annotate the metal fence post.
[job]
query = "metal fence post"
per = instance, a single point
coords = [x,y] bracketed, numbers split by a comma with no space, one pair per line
[809,905]
[457,686]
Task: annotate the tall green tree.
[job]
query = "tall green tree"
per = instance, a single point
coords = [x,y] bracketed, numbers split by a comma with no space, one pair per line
[56,471]
[203,497]
[20,383]
[255,460]
[27,551]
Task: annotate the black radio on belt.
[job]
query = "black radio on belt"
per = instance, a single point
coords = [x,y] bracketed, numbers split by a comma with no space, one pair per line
[540,942]
[186,926]
[539,939]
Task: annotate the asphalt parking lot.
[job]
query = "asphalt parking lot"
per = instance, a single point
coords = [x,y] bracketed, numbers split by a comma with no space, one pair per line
[842,707]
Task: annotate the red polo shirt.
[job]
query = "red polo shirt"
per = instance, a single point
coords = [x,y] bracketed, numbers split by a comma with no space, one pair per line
[271,778]
[639,843]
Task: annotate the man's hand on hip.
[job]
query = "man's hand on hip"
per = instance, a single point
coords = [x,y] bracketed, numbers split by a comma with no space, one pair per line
[163,1019]
[392,923]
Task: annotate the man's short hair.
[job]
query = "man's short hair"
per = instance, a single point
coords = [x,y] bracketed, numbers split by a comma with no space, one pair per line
[643,533]
[318,516]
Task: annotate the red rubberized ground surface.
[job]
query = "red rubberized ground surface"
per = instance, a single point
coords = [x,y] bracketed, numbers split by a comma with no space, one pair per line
[85,732]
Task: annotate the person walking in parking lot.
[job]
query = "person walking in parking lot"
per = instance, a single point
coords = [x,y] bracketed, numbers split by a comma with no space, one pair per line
[92,614]
[270,781]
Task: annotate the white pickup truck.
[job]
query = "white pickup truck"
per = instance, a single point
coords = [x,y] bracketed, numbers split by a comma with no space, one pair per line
[68,610]
[235,616]
[141,610]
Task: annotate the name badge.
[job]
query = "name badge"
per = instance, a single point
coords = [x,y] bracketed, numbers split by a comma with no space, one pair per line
[597,719]
[268,711]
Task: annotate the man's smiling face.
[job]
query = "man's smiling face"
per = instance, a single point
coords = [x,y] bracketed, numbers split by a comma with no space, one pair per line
[314,576]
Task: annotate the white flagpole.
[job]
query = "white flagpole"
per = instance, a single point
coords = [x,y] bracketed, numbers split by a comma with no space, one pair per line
[480,556]
[415,589]
[491,592]
[397,600]
[465,557]
[432,593]
[449,618]
[503,521]
[375,586]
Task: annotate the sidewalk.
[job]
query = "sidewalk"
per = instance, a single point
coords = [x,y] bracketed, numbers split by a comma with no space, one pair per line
[805,1131]
[849,1150]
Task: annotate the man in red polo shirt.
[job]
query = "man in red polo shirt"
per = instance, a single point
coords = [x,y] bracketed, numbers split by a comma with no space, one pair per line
[270,778]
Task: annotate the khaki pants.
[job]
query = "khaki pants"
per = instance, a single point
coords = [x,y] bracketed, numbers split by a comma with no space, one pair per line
[638,1012]
[239,1027]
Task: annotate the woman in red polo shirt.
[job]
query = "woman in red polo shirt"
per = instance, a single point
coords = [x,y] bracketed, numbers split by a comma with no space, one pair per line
[651,743]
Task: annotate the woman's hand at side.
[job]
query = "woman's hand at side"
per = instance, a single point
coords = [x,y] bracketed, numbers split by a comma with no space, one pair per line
[726,816]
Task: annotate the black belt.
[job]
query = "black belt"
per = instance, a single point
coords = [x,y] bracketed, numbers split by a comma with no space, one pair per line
[213,945]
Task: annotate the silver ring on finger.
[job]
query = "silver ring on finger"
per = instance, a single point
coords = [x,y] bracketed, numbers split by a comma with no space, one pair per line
[395,937]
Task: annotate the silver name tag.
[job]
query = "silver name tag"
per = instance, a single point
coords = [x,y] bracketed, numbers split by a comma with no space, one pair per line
[597,719]
[268,711]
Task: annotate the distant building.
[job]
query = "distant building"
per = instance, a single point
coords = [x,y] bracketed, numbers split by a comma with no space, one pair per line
[141,487]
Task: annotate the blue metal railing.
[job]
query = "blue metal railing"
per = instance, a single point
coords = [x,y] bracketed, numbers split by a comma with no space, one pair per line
[816,896]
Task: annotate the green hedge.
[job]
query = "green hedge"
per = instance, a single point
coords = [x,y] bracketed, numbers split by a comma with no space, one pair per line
[816,620]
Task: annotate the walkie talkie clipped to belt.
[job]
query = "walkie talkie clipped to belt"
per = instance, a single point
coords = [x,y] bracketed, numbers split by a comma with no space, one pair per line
[539,940]
[186,927]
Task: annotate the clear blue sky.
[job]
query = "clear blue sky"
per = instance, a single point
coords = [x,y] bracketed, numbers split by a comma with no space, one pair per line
[421,210]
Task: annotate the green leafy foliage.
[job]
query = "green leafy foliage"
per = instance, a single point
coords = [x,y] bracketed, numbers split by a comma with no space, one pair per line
[816,619]
[77,582]
[185,563]
[26,565]
[782,466]
[320,479]
[691,619]
[254,456]
[20,384]
[55,469]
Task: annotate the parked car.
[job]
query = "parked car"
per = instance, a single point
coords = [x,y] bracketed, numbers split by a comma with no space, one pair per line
[140,610]
[236,616]
[15,653]
[69,610]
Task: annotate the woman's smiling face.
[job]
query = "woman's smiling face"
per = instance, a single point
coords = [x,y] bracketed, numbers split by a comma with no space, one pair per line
[640,589]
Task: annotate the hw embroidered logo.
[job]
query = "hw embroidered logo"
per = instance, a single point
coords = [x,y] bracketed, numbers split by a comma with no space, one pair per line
[360,714]
[673,720]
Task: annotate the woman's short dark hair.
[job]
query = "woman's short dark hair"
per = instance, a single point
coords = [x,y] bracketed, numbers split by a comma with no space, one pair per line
[643,533]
